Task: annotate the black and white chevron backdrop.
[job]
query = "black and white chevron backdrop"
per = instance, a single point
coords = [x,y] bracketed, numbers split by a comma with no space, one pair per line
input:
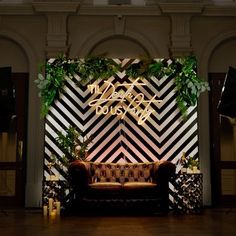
[163,136]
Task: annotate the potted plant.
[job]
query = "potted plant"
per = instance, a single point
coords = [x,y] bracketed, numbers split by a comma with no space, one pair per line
[73,145]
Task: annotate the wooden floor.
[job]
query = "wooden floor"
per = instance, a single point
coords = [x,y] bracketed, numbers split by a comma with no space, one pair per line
[216,221]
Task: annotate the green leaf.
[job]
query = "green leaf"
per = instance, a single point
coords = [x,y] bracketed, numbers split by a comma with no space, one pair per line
[188,84]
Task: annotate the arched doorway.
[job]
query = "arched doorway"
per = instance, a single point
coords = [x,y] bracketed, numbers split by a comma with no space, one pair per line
[223,129]
[13,71]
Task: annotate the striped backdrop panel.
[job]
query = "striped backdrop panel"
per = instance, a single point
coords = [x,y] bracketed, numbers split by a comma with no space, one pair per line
[163,136]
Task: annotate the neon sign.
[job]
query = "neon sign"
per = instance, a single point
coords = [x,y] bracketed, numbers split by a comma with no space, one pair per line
[117,101]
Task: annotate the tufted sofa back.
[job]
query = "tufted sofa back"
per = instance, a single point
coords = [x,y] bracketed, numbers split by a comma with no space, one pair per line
[127,172]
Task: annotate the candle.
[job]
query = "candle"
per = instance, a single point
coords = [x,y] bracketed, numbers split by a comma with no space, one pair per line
[50,205]
[53,212]
[45,210]
[58,208]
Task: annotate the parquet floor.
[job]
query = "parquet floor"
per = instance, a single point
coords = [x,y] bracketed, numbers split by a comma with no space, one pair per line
[213,221]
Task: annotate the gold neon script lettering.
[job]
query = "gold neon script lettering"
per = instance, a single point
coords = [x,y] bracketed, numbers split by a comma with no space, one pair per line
[111,93]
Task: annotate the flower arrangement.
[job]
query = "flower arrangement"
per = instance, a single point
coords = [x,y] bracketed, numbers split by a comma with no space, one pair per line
[189,164]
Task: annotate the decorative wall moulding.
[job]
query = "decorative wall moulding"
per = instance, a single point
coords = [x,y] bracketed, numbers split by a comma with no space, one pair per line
[219,11]
[86,9]
[16,9]
[52,51]
[181,7]
[181,51]
[121,10]
[56,7]
[120,2]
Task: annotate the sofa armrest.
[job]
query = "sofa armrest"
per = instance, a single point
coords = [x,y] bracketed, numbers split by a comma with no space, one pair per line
[79,174]
[165,171]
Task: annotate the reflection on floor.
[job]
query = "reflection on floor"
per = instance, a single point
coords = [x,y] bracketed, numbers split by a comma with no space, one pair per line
[213,221]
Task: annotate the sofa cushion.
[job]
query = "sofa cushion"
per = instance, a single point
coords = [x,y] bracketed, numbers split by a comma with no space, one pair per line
[106,185]
[104,190]
[140,190]
[139,185]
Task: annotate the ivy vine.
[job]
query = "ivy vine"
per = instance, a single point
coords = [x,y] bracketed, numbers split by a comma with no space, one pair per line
[188,84]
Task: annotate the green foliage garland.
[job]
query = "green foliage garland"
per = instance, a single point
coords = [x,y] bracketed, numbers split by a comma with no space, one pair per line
[57,69]
[188,84]
[51,85]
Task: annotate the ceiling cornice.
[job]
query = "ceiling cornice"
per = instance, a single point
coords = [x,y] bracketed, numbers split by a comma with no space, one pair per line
[59,7]
[120,10]
[192,8]
[16,9]
[90,10]
[219,11]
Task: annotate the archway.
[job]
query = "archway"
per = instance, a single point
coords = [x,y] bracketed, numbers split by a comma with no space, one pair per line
[119,47]
[139,45]
[209,62]
[25,61]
